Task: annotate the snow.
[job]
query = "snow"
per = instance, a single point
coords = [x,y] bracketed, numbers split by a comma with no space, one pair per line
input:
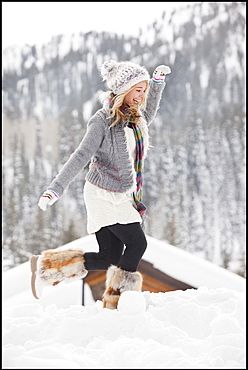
[204,77]
[87,110]
[201,328]
[67,89]
[64,46]
[188,91]
[190,268]
[179,43]
[29,62]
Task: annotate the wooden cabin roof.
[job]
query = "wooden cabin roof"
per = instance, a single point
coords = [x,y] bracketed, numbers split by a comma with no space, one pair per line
[154,280]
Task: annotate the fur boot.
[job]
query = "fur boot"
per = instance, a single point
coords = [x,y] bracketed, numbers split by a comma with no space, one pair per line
[61,265]
[117,282]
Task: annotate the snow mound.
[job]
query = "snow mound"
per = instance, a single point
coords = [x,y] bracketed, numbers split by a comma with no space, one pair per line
[194,329]
[132,303]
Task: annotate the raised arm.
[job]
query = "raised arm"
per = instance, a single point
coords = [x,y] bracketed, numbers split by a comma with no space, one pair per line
[156,87]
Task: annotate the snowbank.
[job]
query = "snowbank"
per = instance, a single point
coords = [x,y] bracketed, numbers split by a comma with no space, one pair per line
[192,329]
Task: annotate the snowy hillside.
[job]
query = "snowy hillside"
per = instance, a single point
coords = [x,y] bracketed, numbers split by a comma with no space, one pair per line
[194,180]
[200,328]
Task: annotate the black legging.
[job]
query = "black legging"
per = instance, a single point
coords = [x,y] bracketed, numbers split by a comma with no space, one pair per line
[111,240]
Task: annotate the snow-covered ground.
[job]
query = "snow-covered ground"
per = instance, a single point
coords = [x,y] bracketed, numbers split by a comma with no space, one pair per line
[200,328]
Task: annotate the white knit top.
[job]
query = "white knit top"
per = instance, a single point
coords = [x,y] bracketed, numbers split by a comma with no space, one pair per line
[106,207]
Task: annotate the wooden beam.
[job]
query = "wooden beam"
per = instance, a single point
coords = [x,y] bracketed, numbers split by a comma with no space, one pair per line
[146,268]
[155,286]
[95,277]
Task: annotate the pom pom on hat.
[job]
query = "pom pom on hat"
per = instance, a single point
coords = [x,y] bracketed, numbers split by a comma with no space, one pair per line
[120,77]
[106,68]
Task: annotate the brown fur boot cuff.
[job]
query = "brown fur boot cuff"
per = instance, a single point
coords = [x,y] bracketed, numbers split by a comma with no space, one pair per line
[117,282]
[61,265]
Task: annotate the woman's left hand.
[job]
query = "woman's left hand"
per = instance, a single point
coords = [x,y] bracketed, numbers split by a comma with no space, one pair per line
[160,73]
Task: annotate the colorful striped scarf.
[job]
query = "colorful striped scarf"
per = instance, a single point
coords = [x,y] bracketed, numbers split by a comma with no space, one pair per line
[139,166]
[139,160]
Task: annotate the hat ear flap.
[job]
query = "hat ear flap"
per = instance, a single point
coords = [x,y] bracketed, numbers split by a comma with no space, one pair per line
[106,68]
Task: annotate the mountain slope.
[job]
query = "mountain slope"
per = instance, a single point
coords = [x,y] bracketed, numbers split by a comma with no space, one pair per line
[194,174]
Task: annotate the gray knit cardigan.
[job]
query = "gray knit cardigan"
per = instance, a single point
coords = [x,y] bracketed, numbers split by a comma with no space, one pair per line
[110,167]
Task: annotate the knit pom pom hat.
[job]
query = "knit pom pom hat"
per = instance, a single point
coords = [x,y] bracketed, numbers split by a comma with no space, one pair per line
[120,77]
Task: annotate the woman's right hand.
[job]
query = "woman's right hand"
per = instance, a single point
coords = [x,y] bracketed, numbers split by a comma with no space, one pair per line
[48,198]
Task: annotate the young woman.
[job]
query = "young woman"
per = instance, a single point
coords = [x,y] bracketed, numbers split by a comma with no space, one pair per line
[116,143]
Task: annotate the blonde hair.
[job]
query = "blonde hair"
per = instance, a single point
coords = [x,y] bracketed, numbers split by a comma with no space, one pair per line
[115,111]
